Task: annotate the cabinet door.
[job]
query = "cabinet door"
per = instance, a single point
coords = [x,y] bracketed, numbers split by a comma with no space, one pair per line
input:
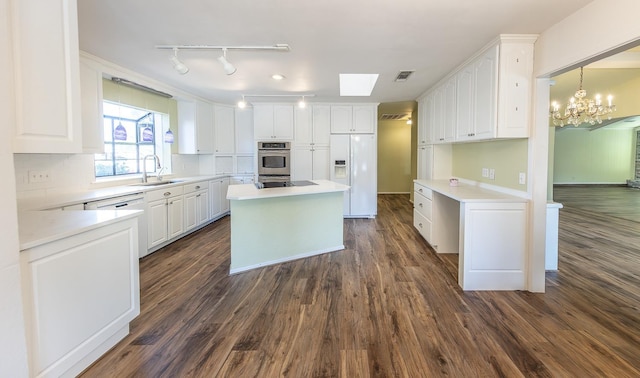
[449,110]
[92,120]
[224,202]
[515,76]
[321,125]
[341,119]
[364,119]
[304,126]
[321,166]
[224,120]
[204,128]
[283,122]
[202,205]
[190,211]
[175,206]
[214,204]
[244,131]
[485,94]
[464,104]
[438,117]
[263,122]
[425,162]
[422,121]
[429,119]
[47,77]
[156,222]
[302,163]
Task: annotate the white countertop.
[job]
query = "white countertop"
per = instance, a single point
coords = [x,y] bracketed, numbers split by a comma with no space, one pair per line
[40,227]
[76,197]
[249,191]
[468,193]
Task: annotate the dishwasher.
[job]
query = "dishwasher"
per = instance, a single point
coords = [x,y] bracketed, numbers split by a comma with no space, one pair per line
[128,202]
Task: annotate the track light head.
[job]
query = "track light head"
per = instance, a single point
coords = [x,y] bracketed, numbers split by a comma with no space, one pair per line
[302,104]
[177,64]
[228,67]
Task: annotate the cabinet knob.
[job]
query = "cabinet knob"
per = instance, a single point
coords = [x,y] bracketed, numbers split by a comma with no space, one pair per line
[420,190]
[198,195]
[420,204]
[420,225]
[197,187]
[167,194]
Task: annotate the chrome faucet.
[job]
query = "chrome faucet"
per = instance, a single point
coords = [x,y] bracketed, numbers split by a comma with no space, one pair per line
[144,166]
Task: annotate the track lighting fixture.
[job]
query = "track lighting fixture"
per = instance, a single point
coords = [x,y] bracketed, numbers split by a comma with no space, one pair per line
[228,67]
[177,64]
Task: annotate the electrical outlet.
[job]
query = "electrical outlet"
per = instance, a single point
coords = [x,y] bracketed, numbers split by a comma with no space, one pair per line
[39,176]
[522,178]
[492,174]
[485,172]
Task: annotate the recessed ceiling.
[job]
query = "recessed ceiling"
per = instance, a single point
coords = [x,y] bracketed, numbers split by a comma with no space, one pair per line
[326,38]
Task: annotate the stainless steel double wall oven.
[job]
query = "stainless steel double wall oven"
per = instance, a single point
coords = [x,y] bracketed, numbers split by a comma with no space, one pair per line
[274,162]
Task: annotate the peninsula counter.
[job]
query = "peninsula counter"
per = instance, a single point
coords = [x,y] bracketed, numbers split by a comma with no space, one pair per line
[274,225]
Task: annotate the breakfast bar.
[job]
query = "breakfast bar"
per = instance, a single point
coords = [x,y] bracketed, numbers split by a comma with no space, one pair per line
[274,225]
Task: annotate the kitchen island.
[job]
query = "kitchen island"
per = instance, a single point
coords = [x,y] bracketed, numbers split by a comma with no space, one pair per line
[274,225]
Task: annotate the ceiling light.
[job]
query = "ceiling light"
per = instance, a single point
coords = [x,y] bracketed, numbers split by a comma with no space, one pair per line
[277,77]
[177,64]
[357,84]
[242,103]
[581,109]
[228,67]
[302,104]
[409,121]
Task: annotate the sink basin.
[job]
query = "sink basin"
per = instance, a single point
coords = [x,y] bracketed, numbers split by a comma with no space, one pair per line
[157,183]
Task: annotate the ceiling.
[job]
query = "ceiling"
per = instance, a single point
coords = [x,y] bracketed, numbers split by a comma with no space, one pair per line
[326,38]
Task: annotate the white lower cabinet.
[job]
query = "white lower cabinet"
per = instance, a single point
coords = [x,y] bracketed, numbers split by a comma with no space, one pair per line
[310,163]
[165,215]
[486,228]
[80,293]
[196,205]
[219,203]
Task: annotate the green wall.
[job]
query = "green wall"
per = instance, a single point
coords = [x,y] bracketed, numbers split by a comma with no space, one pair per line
[394,157]
[507,157]
[599,157]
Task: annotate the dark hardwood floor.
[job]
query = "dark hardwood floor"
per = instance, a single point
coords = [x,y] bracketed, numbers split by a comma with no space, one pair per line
[386,306]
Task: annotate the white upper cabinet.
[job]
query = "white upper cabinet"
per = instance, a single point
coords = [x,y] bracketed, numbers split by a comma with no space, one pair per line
[224,120]
[353,119]
[313,125]
[491,96]
[195,127]
[47,77]
[244,131]
[92,116]
[273,122]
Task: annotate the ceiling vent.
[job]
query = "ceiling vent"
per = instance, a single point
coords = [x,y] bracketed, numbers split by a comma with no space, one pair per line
[403,76]
[394,117]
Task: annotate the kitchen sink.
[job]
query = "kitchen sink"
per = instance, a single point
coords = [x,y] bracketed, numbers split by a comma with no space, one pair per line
[157,183]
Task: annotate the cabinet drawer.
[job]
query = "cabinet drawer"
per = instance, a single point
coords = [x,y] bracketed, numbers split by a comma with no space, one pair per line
[422,204]
[155,195]
[426,192]
[422,224]
[194,187]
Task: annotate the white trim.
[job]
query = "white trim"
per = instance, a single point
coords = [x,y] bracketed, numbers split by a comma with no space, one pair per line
[285,259]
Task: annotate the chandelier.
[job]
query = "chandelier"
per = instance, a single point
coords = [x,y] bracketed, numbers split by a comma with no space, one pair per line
[580,109]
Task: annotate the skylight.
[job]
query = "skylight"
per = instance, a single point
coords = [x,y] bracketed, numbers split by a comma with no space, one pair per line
[357,84]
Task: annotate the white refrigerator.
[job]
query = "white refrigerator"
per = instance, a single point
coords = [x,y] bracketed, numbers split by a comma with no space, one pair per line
[354,162]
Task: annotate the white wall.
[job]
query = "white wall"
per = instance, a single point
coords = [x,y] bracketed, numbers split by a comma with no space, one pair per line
[13,350]
[601,26]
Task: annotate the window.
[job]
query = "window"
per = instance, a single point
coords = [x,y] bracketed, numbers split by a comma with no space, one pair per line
[130,134]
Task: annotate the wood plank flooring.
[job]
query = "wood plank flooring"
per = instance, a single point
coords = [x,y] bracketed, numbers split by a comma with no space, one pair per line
[386,306]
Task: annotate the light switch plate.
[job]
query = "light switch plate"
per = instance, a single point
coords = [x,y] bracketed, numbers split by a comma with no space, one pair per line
[492,174]
[485,172]
[522,178]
